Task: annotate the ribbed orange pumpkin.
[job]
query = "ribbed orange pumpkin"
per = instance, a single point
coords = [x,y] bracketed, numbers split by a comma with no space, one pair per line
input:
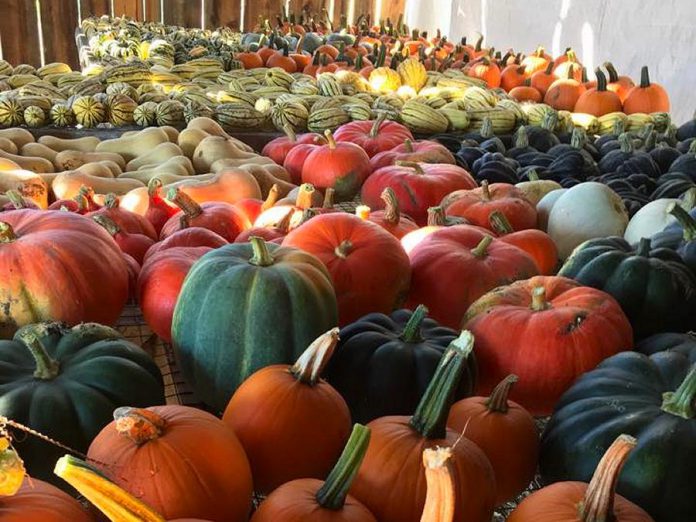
[563,94]
[38,501]
[646,97]
[598,101]
[621,85]
[390,219]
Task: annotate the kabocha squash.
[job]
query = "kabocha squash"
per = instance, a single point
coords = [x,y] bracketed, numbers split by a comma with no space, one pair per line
[89,281]
[310,499]
[393,459]
[650,398]
[506,433]
[654,287]
[462,249]
[580,502]
[38,501]
[156,453]
[684,344]
[396,355]
[559,330]
[369,269]
[417,186]
[282,299]
[291,423]
[65,382]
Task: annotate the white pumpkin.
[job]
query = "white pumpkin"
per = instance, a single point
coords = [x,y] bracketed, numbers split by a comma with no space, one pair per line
[586,211]
[649,220]
[545,205]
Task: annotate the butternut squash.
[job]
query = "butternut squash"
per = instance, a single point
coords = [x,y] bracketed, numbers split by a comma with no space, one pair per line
[177,162]
[135,145]
[214,148]
[229,163]
[38,165]
[189,140]
[86,144]
[267,176]
[6,164]
[38,150]
[67,184]
[100,169]
[28,184]
[156,156]
[170,168]
[166,177]
[213,128]
[72,159]
[8,146]
[20,137]
[172,133]
[111,165]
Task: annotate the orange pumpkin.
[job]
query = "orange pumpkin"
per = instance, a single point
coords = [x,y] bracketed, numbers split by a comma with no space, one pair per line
[487,71]
[436,220]
[646,97]
[291,423]
[526,92]
[568,64]
[38,501]
[250,60]
[599,101]
[513,76]
[542,80]
[563,94]
[536,243]
[580,502]
[537,61]
[621,85]
[283,60]
[506,433]
[157,454]
[391,482]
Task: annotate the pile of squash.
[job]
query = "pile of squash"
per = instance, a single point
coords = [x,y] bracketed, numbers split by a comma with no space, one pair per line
[381,364]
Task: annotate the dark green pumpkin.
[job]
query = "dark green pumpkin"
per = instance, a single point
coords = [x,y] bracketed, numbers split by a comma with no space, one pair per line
[683,343]
[245,306]
[680,236]
[66,382]
[652,399]
[654,287]
[383,363]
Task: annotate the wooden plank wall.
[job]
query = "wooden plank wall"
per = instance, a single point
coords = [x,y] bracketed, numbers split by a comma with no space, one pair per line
[27,24]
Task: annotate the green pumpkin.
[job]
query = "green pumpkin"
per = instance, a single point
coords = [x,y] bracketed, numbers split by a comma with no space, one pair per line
[650,398]
[683,343]
[383,363]
[654,287]
[245,306]
[66,382]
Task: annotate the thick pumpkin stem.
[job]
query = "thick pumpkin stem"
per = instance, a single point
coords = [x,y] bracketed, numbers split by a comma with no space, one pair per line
[186,203]
[611,71]
[343,249]
[411,165]
[284,224]
[391,206]
[498,399]
[310,365]
[272,198]
[108,224]
[430,418]
[688,199]
[290,133]
[111,200]
[376,125]
[18,202]
[521,138]
[440,499]
[412,330]
[533,175]
[261,256]
[408,145]
[578,138]
[304,196]
[539,302]
[153,187]
[436,217]
[332,495]
[138,424]
[681,401]
[115,503]
[643,249]
[47,368]
[644,77]
[330,139]
[598,503]
[619,127]
[485,190]
[625,142]
[549,68]
[601,80]
[481,250]
[7,233]
[500,223]
[363,212]
[550,120]
[685,220]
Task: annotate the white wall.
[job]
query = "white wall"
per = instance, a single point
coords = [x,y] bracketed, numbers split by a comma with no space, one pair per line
[631,33]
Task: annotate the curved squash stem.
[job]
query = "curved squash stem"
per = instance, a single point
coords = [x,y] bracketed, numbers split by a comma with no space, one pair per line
[521,138]
[186,203]
[533,175]
[290,133]
[408,145]
[643,249]
[310,365]
[436,217]
[377,124]
[412,330]
[411,165]
[688,199]
[283,226]
[500,223]
[440,479]
[343,249]
[391,206]
[111,200]
[332,494]
[329,197]
[681,401]
[153,187]
[498,399]
[108,224]
[598,503]
[363,212]
[115,503]
[261,256]
[138,424]
[625,142]
[272,198]
[485,191]
[330,139]
[430,418]
[16,199]
[7,233]
[539,302]
[685,220]
[304,196]
[481,250]
[46,367]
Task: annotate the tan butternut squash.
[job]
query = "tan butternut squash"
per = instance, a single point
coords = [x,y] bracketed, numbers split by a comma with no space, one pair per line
[112,166]
[38,150]
[28,184]
[214,148]
[177,162]
[100,169]
[38,165]
[67,184]
[230,163]
[170,168]
[156,156]
[20,137]
[72,159]
[135,145]
[86,144]
[167,178]
[267,176]
[8,146]
[189,140]
[6,164]
[213,128]
[172,133]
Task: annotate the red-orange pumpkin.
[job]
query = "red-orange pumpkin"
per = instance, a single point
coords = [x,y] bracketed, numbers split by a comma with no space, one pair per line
[390,219]
[295,158]
[135,245]
[291,423]
[181,461]
[373,136]
[424,151]
[38,501]
[646,97]
[129,221]
[252,208]
[436,220]
[506,433]
[279,148]
[513,75]
[558,329]
[188,237]
[369,269]
[158,210]
[454,266]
